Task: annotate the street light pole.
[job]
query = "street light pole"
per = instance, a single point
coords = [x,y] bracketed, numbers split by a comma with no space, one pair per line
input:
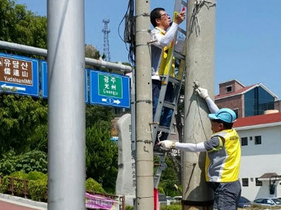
[66,114]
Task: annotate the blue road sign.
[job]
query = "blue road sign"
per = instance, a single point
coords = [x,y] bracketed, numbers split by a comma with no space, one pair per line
[44,82]
[109,89]
[44,79]
[19,74]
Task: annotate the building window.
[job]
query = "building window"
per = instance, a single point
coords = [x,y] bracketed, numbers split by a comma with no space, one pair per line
[244,141]
[245,182]
[256,101]
[258,182]
[229,89]
[257,139]
[251,138]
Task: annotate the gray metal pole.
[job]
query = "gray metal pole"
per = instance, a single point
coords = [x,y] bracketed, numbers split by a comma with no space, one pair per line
[66,140]
[200,60]
[144,146]
[43,52]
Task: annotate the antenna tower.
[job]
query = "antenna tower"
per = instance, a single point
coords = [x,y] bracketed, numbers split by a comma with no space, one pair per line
[106,31]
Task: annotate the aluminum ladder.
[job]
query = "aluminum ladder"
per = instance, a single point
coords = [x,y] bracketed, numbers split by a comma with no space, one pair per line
[171,70]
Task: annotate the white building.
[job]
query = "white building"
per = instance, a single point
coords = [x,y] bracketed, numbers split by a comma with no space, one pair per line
[261,154]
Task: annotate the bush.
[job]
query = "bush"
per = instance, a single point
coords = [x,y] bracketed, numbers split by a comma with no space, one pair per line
[5,181]
[30,161]
[129,207]
[19,185]
[8,163]
[35,175]
[171,207]
[19,175]
[92,185]
[38,189]
[38,186]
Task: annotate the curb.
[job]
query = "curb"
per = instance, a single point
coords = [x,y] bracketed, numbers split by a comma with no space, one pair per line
[23,201]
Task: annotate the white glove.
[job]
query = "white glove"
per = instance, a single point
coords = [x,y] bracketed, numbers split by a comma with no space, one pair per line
[167,144]
[202,92]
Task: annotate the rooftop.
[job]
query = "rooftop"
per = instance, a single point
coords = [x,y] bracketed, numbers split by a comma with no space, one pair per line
[240,91]
[258,120]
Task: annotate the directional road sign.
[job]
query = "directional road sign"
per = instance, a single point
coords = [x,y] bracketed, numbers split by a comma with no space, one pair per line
[19,74]
[44,82]
[109,89]
[44,78]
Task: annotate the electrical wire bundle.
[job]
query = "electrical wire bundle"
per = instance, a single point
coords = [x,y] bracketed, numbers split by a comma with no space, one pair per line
[129,32]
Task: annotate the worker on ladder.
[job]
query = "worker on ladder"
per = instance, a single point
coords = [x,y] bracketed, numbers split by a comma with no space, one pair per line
[222,164]
[162,35]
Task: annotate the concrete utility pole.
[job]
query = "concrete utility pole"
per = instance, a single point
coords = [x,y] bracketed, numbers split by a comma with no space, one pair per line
[66,117]
[144,145]
[200,60]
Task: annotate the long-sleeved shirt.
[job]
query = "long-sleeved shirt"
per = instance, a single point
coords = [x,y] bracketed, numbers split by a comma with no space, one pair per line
[162,39]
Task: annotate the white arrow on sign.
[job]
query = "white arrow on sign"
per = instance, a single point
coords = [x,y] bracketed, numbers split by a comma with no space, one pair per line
[13,87]
[104,100]
[116,101]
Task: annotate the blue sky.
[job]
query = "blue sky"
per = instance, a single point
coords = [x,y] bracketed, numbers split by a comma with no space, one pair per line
[248,36]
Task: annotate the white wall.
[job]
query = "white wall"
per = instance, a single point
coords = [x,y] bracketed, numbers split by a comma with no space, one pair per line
[260,159]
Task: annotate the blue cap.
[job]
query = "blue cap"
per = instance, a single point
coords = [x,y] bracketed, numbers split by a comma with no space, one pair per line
[225,114]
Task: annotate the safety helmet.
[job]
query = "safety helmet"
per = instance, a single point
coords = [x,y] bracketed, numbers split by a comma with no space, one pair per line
[225,114]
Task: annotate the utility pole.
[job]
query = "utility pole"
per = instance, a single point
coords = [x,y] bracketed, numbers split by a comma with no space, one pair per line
[144,143]
[66,114]
[200,62]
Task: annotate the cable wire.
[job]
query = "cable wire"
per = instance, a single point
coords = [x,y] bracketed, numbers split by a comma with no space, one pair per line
[129,32]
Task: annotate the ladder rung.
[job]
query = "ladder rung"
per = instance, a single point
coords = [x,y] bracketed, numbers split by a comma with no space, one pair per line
[179,55]
[174,80]
[184,3]
[164,129]
[182,30]
[169,105]
[159,153]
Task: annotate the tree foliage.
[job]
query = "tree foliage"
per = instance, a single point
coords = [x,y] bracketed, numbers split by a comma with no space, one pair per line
[101,156]
[93,186]
[98,114]
[27,162]
[23,119]
[168,179]
[21,26]
[19,120]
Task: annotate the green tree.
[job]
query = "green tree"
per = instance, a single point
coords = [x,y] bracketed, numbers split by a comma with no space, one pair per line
[93,186]
[27,162]
[19,118]
[21,26]
[91,52]
[169,178]
[101,155]
[23,120]
[96,114]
